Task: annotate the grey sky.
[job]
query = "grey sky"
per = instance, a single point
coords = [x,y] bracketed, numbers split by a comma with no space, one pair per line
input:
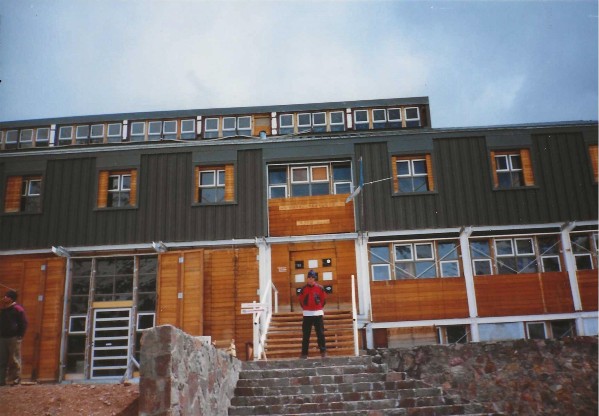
[479,62]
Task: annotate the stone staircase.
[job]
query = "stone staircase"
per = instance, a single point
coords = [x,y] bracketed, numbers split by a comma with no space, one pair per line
[284,339]
[348,386]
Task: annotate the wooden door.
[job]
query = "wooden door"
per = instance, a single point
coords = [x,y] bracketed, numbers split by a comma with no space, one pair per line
[324,263]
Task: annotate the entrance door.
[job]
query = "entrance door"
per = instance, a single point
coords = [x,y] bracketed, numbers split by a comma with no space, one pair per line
[110,346]
[324,263]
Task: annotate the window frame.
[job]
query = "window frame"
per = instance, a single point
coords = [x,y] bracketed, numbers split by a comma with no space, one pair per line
[409,120]
[37,132]
[335,126]
[363,122]
[227,185]
[411,159]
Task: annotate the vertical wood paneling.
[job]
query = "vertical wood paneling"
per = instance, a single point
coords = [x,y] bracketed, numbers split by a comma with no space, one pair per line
[12,195]
[594,161]
[229,183]
[193,292]
[430,172]
[588,286]
[167,288]
[103,189]
[529,179]
[133,193]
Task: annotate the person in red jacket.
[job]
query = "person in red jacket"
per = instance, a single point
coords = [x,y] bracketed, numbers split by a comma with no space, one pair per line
[312,299]
[13,324]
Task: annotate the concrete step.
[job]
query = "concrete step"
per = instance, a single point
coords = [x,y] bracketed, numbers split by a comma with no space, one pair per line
[328,370]
[311,380]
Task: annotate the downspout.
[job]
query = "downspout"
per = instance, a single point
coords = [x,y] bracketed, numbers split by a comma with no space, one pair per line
[571,269]
[469,280]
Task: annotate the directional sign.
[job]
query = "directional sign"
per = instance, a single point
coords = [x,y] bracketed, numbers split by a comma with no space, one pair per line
[253,305]
[252,310]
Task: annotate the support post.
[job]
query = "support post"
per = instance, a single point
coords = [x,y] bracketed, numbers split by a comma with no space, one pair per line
[469,280]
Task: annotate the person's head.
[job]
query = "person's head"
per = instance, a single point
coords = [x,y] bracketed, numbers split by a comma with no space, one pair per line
[312,277]
[11,294]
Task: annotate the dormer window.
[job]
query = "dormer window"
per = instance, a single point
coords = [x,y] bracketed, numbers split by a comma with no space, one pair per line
[319,122]
[211,128]
[170,129]
[65,135]
[97,133]
[138,131]
[188,129]
[394,118]
[304,121]
[337,121]
[154,130]
[412,117]
[286,122]
[26,138]
[379,118]
[114,132]
[82,135]
[361,119]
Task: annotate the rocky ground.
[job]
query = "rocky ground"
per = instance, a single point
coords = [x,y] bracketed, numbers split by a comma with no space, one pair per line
[69,399]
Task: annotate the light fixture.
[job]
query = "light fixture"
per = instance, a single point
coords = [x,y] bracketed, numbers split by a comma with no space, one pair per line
[159,246]
[60,251]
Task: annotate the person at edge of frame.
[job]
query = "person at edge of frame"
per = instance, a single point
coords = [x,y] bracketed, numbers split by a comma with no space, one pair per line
[13,324]
[312,299]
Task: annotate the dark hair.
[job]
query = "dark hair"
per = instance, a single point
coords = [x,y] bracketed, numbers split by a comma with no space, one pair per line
[312,273]
[11,294]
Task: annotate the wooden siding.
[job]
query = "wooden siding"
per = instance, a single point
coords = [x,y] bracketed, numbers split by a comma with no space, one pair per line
[12,197]
[522,294]
[594,156]
[588,287]
[415,299]
[344,266]
[324,214]
[39,282]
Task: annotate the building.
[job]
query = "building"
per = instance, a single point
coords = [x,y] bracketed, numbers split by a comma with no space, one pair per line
[112,224]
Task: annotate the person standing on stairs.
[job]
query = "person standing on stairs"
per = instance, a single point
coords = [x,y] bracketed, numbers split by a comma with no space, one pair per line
[312,298]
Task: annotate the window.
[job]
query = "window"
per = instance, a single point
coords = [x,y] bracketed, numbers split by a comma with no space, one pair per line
[379,118]
[415,260]
[114,132]
[549,252]
[154,130]
[309,180]
[394,117]
[286,124]
[501,332]
[97,133]
[454,334]
[117,189]
[214,184]
[585,254]
[23,194]
[515,256]
[237,126]
[412,117]
[563,328]
[11,138]
[170,129]
[361,119]
[337,121]
[512,169]
[304,121]
[211,128]
[65,135]
[536,330]
[188,129]
[319,122]
[138,131]
[42,137]
[26,138]
[481,257]
[82,135]
[412,174]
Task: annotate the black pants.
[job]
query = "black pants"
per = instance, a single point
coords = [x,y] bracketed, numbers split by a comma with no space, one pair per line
[318,323]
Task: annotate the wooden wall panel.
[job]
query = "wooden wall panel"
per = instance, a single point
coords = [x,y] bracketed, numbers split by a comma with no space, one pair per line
[324,214]
[33,285]
[12,197]
[168,281]
[416,299]
[587,285]
[193,292]
[523,294]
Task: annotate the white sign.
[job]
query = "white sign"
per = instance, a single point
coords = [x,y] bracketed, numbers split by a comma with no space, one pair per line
[253,310]
[253,305]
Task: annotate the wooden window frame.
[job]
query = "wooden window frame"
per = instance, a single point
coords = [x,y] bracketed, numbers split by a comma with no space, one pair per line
[525,161]
[103,181]
[229,185]
[17,193]
[593,154]
[430,178]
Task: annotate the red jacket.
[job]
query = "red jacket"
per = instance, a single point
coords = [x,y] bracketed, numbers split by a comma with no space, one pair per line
[312,298]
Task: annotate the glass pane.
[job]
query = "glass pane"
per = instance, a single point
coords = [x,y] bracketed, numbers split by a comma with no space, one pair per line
[337,117]
[419,167]
[319,118]
[343,188]
[124,284]
[536,330]
[320,188]
[278,191]
[411,113]
[207,178]
[420,184]
[82,267]
[499,332]
[320,173]
[114,129]
[211,124]
[300,190]
[126,182]
[82,132]
[43,135]
[299,174]
[145,321]
[456,334]
[506,265]
[450,269]
[146,302]
[527,265]
[138,128]
[406,185]
[147,283]
[394,114]
[170,127]
[304,119]
[78,304]
[524,246]
[148,265]
[504,247]
[97,130]
[104,285]
[105,267]
[221,178]
[76,344]
[517,178]
[424,251]
[229,123]
[244,123]
[342,172]
[26,135]
[584,262]
[113,182]
[515,162]
[551,264]
[361,116]
[482,267]
[504,180]
[208,195]
[277,175]
[561,329]
[548,245]
[35,187]
[379,254]
[404,270]
[403,252]
[426,269]
[124,266]
[501,162]
[286,120]
[80,285]
[65,133]
[379,115]
[77,324]
[188,126]
[381,272]
[479,249]
[581,243]
[447,251]
[403,167]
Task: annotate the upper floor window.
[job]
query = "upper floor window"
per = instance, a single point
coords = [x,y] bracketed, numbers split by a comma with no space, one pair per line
[286,124]
[117,189]
[412,117]
[214,184]
[516,255]
[65,135]
[412,174]
[160,130]
[237,126]
[188,129]
[309,179]
[211,128]
[337,121]
[27,137]
[114,132]
[584,247]
[361,119]
[512,169]
[23,194]
[415,260]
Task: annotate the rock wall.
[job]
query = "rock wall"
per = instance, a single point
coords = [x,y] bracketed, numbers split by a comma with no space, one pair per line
[181,375]
[523,377]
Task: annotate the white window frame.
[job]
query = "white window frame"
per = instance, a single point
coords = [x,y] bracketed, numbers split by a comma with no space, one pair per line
[280,185]
[152,124]
[411,172]
[299,125]
[28,191]
[193,126]
[37,133]
[286,126]
[319,124]
[234,128]
[351,188]
[239,119]
[412,119]
[512,254]
[142,314]
[411,259]
[297,168]
[386,266]
[21,140]
[361,122]
[342,123]
[7,133]
[82,126]
[381,111]
[442,262]
[394,119]
[424,258]
[528,324]
[509,165]
[71,318]
[114,135]
[91,131]
[65,128]
[532,246]
[550,256]
[169,123]
[311,178]
[211,130]
[488,261]
[143,132]
[216,183]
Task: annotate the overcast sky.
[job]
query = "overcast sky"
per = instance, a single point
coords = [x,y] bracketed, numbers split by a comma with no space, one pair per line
[479,62]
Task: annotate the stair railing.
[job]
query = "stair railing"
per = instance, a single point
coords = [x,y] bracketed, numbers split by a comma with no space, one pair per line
[354,312]
[270,298]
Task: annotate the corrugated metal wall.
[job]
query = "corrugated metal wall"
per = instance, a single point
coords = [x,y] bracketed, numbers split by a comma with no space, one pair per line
[165,212]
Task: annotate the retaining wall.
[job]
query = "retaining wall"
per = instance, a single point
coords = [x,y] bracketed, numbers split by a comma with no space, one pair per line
[523,377]
[181,375]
